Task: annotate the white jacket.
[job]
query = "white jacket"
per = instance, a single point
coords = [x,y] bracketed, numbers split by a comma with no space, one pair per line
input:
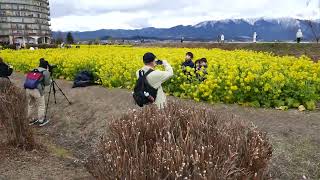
[155,79]
[222,37]
[299,34]
[255,35]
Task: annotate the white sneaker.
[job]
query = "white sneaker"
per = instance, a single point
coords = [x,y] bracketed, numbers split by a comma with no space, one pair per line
[43,122]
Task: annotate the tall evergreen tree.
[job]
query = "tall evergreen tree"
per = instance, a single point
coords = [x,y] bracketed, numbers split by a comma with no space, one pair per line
[70,39]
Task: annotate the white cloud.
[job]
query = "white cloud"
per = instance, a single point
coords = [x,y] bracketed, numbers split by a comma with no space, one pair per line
[131,14]
[111,20]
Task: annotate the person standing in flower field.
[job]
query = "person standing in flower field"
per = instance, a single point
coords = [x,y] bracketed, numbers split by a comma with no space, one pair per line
[299,36]
[148,89]
[188,61]
[201,68]
[255,36]
[222,38]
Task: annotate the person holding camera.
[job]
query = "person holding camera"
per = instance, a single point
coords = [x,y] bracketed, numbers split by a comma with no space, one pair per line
[5,70]
[155,78]
[35,84]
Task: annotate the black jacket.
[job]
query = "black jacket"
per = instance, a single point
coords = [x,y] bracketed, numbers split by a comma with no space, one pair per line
[188,64]
[5,70]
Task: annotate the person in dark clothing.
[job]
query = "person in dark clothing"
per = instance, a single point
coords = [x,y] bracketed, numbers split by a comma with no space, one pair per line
[203,63]
[197,64]
[201,66]
[5,70]
[188,62]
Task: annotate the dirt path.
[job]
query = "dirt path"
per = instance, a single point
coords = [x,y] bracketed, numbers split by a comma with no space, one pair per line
[75,129]
[72,132]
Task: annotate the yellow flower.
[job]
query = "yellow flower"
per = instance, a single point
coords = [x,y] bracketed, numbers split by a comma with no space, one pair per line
[234,88]
[228,71]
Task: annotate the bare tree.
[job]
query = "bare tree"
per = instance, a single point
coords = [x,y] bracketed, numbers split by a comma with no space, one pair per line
[314,26]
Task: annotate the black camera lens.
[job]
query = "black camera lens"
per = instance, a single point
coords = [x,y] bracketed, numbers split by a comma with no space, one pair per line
[159,62]
[52,67]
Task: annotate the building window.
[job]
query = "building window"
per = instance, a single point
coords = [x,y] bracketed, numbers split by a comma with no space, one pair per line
[3,19]
[15,7]
[2,13]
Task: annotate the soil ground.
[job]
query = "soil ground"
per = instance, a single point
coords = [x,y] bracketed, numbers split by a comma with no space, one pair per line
[74,130]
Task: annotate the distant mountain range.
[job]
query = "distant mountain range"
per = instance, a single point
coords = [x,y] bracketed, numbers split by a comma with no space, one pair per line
[282,29]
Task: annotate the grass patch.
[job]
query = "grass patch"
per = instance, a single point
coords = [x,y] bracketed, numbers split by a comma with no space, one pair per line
[295,158]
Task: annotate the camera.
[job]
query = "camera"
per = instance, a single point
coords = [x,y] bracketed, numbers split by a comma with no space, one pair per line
[52,67]
[159,62]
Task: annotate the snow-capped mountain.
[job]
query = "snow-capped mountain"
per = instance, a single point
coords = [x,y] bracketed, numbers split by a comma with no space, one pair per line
[283,29]
[287,22]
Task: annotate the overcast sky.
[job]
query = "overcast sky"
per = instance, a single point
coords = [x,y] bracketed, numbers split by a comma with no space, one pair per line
[84,15]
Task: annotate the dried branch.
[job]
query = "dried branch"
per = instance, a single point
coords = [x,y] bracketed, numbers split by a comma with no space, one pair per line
[13,116]
[181,142]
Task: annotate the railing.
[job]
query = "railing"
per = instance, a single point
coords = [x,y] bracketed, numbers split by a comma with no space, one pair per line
[26,16]
[31,2]
[31,7]
[44,11]
[24,20]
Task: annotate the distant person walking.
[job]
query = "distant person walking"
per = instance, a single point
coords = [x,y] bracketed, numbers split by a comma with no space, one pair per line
[182,39]
[255,35]
[299,36]
[222,38]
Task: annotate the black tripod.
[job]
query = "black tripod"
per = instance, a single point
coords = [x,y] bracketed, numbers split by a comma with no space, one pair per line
[53,89]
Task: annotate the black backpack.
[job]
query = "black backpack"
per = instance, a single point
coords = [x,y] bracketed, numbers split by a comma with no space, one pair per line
[83,79]
[144,94]
[5,71]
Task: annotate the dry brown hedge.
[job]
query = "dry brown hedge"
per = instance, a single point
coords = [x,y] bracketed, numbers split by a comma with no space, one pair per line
[181,142]
[13,116]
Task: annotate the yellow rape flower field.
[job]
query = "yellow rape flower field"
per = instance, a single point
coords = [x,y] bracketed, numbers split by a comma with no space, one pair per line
[243,77]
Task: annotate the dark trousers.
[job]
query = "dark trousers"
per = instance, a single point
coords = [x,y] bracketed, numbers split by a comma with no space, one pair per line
[298,40]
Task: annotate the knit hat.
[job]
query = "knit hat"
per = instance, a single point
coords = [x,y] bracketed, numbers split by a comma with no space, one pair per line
[148,58]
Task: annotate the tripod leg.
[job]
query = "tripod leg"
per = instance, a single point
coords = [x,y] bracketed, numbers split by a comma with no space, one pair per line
[54,92]
[47,106]
[62,92]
